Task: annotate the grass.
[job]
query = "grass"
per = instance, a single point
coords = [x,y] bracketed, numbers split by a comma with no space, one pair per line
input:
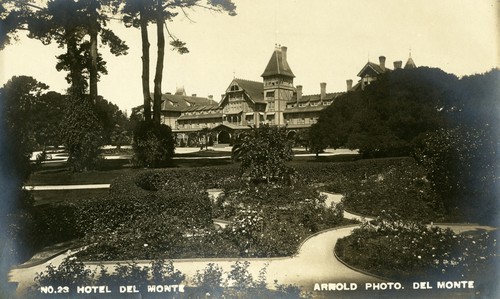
[67,196]
[205,153]
[62,176]
[59,174]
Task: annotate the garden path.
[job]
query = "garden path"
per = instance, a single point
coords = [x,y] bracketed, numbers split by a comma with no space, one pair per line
[314,263]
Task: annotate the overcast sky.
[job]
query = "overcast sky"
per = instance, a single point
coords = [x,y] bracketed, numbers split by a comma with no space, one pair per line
[328,41]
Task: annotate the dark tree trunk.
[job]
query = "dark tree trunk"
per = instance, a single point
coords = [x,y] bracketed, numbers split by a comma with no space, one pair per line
[159,63]
[77,87]
[146,94]
[93,32]
[93,66]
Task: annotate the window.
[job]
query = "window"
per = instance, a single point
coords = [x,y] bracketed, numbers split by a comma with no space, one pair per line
[270,94]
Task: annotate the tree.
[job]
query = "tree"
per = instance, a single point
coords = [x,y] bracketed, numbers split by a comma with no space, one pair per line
[19,98]
[47,119]
[462,165]
[387,116]
[67,23]
[264,152]
[114,122]
[462,160]
[139,14]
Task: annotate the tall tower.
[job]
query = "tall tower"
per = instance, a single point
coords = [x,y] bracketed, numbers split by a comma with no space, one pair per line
[278,86]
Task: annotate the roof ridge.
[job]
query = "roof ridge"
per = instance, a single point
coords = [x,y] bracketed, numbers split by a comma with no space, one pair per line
[248,80]
[318,94]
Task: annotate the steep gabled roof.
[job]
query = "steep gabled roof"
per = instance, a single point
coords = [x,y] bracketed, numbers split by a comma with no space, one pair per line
[172,102]
[278,64]
[372,67]
[253,89]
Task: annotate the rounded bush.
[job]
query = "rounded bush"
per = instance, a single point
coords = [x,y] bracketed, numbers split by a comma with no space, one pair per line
[153,145]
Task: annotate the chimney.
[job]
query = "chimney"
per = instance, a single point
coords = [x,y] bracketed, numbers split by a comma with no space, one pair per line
[210,98]
[283,53]
[323,91]
[193,95]
[299,93]
[398,64]
[382,62]
[349,84]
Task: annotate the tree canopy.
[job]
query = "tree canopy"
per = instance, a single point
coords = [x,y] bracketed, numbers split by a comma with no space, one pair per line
[450,125]
[387,116]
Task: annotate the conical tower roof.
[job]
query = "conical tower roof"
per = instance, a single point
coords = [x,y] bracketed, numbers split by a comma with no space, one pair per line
[410,64]
[278,64]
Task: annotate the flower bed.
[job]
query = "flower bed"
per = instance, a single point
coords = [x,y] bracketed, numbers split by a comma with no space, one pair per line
[168,213]
[408,251]
[273,219]
[396,185]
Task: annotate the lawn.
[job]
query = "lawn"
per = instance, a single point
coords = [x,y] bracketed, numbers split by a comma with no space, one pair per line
[67,196]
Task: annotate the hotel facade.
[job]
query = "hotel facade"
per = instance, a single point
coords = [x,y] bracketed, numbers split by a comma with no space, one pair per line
[246,103]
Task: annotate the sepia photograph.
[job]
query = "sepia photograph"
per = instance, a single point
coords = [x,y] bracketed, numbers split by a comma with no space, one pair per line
[249,149]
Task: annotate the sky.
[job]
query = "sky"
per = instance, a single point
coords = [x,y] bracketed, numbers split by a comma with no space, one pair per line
[327,40]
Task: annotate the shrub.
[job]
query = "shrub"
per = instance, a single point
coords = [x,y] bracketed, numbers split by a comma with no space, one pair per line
[272,219]
[153,144]
[82,133]
[209,282]
[397,189]
[70,273]
[263,154]
[152,223]
[404,250]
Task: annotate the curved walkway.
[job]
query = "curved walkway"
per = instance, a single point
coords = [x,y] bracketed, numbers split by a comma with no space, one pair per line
[314,263]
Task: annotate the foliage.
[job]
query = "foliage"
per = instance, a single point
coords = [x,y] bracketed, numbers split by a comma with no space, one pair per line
[140,14]
[211,281]
[153,220]
[401,189]
[462,164]
[263,153]
[70,272]
[47,120]
[20,97]
[82,134]
[143,209]
[117,129]
[410,251]
[385,118]
[271,220]
[161,272]
[240,284]
[153,145]
[462,160]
